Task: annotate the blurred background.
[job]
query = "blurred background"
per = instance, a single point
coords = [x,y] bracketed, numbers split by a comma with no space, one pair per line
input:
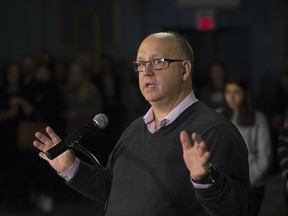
[63,61]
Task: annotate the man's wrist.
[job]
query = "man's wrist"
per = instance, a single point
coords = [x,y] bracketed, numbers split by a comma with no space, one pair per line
[70,173]
[211,176]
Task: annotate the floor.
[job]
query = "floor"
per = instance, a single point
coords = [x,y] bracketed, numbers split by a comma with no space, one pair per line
[274,200]
[273,204]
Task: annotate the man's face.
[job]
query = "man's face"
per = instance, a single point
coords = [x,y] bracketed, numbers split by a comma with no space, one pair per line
[161,87]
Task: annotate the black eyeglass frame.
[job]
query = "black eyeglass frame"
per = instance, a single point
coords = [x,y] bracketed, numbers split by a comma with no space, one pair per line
[136,64]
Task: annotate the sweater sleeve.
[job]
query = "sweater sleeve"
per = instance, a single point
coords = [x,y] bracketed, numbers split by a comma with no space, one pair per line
[90,181]
[231,194]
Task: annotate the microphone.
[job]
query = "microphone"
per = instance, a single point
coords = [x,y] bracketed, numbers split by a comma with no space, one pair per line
[100,121]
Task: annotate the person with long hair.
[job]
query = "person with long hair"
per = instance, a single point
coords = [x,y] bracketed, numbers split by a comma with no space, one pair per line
[253,126]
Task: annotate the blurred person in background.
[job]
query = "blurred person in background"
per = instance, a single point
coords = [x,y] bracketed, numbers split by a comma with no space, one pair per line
[82,98]
[254,127]
[28,64]
[212,93]
[83,101]
[282,153]
[111,87]
[279,103]
[61,73]
[88,64]
[13,107]
[42,90]
[46,58]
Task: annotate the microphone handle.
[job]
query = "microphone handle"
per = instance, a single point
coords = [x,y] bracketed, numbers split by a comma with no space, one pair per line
[56,150]
[69,142]
[72,139]
[88,129]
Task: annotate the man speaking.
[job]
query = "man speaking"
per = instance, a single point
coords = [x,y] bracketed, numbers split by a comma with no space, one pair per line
[180,159]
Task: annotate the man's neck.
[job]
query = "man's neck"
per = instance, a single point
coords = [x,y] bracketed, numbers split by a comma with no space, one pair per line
[161,110]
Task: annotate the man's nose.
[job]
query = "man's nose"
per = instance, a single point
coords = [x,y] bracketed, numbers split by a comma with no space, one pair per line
[147,69]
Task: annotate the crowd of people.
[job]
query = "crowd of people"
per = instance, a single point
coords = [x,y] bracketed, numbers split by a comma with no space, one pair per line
[67,95]
[41,90]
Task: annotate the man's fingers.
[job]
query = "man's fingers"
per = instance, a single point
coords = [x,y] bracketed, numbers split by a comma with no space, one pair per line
[196,138]
[39,145]
[43,139]
[43,156]
[48,141]
[205,158]
[55,138]
[186,143]
[43,148]
[199,142]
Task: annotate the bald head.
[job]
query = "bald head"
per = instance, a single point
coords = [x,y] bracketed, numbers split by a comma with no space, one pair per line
[175,39]
[171,83]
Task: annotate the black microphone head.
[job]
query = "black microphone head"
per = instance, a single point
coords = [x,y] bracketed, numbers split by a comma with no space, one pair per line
[101,120]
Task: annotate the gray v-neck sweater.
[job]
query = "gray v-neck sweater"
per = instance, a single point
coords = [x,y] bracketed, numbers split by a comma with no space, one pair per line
[148,176]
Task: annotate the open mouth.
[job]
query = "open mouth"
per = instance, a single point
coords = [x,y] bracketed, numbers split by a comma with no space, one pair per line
[150,85]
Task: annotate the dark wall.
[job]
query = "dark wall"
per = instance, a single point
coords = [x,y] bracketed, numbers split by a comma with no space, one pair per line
[250,39]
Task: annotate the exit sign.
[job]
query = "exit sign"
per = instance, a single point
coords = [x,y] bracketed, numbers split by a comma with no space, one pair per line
[205,23]
[205,20]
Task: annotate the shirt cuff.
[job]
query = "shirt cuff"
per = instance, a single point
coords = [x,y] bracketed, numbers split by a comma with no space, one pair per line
[200,186]
[70,173]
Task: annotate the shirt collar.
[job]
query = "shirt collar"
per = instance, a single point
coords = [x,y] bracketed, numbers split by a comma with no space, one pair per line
[149,117]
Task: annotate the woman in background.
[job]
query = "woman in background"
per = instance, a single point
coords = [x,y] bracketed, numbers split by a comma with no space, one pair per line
[253,126]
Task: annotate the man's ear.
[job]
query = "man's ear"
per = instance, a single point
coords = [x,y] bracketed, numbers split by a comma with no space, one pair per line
[187,69]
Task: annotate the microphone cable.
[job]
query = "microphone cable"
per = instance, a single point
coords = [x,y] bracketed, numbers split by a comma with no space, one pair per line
[99,168]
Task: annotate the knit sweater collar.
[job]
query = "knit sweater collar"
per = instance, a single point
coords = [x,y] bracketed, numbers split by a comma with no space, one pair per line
[149,118]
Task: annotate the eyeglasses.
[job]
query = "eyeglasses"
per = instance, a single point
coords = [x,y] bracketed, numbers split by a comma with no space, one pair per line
[154,64]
